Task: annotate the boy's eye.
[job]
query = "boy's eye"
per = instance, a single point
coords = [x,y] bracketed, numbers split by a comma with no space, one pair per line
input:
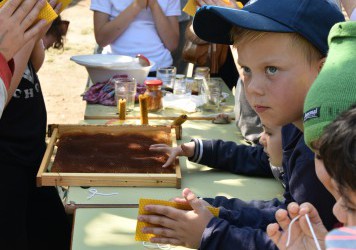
[347,207]
[271,70]
[246,70]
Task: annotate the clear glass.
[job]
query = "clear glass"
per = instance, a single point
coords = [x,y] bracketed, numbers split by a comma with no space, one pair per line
[180,87]
[211,92]
[167,75]
[125,88]
[202,71]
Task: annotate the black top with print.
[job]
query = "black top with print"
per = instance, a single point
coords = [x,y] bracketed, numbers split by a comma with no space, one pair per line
[23,124]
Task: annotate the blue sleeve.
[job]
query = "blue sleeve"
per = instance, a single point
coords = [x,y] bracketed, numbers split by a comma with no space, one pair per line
[302,183]
[255,214]
[220,234]
[238,159]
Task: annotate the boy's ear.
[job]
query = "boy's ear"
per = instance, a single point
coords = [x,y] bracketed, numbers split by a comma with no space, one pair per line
[321,63]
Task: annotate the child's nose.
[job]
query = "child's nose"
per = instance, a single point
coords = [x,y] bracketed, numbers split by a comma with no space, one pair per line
[254,86]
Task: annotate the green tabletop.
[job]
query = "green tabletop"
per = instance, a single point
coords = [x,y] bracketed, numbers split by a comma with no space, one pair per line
[96,111]
[206,182]
[106,229]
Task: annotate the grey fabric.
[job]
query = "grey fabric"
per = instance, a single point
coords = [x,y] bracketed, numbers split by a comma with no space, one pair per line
[246,118]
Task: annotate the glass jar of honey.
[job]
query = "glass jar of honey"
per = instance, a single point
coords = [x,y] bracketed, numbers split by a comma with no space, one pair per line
[154,94]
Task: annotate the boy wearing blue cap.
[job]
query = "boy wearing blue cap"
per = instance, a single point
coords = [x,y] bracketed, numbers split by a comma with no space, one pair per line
[281,47]
[333,138]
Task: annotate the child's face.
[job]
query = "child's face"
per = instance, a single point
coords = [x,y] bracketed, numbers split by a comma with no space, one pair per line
[271,139]
[345,208]
[277,77]
[323,176]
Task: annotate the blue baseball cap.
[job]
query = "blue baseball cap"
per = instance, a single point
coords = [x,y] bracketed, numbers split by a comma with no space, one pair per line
[312,19]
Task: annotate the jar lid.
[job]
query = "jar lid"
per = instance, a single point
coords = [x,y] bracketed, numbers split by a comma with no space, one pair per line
[155,82]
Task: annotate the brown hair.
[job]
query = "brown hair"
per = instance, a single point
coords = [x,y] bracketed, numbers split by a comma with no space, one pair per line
[241,36]
[338,150]
[58,30]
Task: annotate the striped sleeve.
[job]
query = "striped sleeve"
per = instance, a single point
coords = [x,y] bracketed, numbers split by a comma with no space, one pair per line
[341,239]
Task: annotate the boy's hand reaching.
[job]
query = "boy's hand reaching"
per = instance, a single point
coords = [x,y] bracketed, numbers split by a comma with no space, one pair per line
[178,227]
[300,235]
[186,149]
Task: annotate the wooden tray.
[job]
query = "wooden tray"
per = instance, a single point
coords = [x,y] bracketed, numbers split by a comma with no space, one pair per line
[47,178]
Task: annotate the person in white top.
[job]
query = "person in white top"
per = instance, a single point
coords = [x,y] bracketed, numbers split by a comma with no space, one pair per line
[350,8]
[131,27]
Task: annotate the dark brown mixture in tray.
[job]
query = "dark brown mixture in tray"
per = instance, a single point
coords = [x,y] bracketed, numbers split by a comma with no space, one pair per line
[103,153]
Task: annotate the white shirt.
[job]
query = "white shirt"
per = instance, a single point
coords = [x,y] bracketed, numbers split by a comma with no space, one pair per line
[3,96]
[141,36]
[353,15]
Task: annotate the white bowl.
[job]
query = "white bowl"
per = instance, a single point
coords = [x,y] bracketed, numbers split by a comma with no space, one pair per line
[102,67]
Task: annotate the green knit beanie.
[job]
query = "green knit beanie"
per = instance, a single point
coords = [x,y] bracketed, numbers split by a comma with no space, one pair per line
[334,90]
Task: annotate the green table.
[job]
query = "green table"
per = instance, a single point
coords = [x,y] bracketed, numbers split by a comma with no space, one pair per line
[206,182]
[106,229]
[109,222]
[96,111]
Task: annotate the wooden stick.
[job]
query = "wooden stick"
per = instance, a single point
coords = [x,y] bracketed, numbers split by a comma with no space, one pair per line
[143,109]
[179,120]
[122,109]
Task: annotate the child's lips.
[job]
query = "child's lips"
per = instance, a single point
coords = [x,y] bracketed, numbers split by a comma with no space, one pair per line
[260,109]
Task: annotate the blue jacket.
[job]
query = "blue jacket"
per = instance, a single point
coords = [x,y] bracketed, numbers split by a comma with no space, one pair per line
[242,225]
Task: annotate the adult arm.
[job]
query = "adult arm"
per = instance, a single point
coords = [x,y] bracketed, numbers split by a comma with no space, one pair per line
[167,26]
[107,31]
[38,55]
[349,6]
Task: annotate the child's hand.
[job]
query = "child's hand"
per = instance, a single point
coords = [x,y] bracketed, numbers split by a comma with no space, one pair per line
[300,235]
[186,149]
[178,227]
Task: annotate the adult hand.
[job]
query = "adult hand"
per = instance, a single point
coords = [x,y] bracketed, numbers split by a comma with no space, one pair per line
[175,226]
[186,149]
[300,235]
[152,3]
[16,17]
[143,4]
[223,3]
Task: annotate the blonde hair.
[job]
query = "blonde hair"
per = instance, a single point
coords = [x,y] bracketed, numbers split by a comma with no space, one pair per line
[241,36]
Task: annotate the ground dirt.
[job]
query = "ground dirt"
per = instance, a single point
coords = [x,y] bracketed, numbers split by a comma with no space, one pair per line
[62,80]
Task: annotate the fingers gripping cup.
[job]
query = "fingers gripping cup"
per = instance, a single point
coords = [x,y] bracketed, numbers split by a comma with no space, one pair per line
[125,88]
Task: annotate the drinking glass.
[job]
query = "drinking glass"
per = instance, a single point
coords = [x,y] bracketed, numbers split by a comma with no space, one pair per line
[125,88]
[167,75]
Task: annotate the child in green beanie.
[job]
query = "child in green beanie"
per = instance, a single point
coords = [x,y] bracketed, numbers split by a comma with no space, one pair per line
[333,141]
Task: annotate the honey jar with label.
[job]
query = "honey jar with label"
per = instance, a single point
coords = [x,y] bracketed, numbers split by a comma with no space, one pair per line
[154,94]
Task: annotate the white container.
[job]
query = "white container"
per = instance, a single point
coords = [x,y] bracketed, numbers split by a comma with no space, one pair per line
[102,67]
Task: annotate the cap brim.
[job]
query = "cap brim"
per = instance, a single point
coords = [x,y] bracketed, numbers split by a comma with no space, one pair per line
[214,23]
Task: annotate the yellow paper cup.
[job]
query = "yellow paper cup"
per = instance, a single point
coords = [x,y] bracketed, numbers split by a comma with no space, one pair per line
[47,13]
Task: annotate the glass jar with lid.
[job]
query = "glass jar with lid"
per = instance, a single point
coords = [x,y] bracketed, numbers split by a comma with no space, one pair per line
[154,94]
